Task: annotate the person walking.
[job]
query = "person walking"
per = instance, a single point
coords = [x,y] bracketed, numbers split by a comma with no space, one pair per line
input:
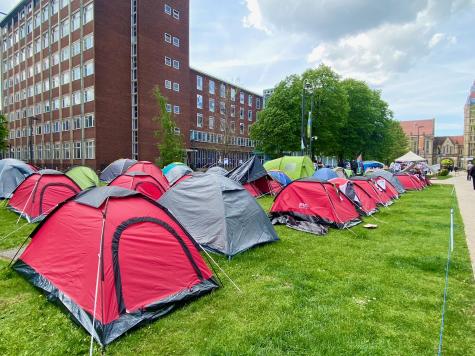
[472,173]
[469,168]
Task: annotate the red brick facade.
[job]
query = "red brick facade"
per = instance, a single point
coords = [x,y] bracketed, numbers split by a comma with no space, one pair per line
[129,47]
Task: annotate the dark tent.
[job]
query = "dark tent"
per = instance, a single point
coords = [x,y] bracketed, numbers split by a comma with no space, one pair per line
[116,168]
[389,177]
[40,193]
[219,213]
[12,173]
[217,170]
[307,203]
[149,264]
[176,172]
[140,182]
[253,176]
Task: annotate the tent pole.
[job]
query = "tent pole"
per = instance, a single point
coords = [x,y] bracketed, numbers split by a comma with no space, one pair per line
[99,265]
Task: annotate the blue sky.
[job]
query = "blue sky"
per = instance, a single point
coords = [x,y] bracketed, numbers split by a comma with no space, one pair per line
[420,53]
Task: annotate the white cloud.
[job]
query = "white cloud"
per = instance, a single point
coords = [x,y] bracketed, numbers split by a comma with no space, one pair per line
[254,19]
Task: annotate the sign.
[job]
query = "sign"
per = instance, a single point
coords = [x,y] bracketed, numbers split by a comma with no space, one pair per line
[226,161]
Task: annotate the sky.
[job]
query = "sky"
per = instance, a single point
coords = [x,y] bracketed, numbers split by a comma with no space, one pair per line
[419,53]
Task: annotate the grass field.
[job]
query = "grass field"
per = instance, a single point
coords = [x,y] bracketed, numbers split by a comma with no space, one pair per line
[378,292]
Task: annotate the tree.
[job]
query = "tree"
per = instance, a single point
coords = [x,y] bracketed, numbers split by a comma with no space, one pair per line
[171,147]
[3,133]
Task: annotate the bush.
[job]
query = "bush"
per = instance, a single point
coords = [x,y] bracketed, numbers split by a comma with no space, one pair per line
[443,172]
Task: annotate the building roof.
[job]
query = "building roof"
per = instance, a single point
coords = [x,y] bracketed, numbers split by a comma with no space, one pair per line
[199,71]
[439,140]
[426,127]
[456,140]
[13,12]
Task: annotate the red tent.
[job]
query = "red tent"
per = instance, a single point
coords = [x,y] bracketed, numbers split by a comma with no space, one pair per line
[408,181]
[38,194]
[364,201]
[141,182]
[149,265]
[385,185]
[150,169]
[374,190]
[262,186]
[316,201]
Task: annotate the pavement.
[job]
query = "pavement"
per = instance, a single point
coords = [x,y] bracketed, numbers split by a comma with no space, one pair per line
[466,202]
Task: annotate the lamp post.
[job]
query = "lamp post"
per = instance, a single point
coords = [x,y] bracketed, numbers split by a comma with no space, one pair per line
[30,135]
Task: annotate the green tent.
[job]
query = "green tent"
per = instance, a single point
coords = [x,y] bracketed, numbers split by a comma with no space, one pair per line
[85,177]
[294,166]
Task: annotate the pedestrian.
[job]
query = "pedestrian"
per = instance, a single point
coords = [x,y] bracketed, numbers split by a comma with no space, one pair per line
[472,173]
[469,167]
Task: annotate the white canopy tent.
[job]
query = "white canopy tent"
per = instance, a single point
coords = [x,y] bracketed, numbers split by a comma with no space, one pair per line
[410,157]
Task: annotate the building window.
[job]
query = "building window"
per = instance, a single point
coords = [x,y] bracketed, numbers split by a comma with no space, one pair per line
[66,125]
[258,103]
[65,53]
[232,126]
[75,48]
[55,34]
[176,109]
[211,104]
[222,124]
[233,94]
[75,21]
[211,122]
[55,81]
[176,64]
[222,90]
[199,82]
[57,151]
[176,14]
[199,101]
[90,149]
[66,150]
[176,41]
[54,6]
[66,101]
[168,61]
[168,9]
[168,107]
[89,68]
[76,98]
[56,104]
[177,131]
[249,115]
[241,113]
[88,14]
[199,120]
[249,100]
[64,28]
[241,97]
[76,123]
[168,37]
[88,121]
[56,126]
[77,150]
[168,84]
[222,108]
[176,86]
[88,94]
[88,42]
[233,110]
[65,79]
[76,73]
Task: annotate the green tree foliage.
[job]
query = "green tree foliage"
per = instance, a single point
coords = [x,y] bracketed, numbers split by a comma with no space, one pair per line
[349,118]
[3,132]
[170,146]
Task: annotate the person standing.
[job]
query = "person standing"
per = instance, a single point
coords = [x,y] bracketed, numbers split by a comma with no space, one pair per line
[469,168]
[472,173]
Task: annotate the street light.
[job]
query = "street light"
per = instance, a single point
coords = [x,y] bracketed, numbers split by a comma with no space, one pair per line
[309,88]
[30,135]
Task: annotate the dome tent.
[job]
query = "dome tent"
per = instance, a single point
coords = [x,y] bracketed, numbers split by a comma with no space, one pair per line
[365,203]
[116,168]
[149,264]
[176,172]
[325,174]
[38,194]
[252,175]
[150,169]
[389,177]
[217,170]
[294,166]
[140,182]
[84,176]
[12,173]
[231,222]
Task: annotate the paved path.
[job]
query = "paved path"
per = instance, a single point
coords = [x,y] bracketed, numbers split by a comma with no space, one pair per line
[8,254]
[466,202]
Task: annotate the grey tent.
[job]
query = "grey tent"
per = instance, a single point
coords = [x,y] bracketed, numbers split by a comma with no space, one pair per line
[176,172]
[388,176]
[12,173]
[217,170]
[253,176]
[116,168]
[219,213]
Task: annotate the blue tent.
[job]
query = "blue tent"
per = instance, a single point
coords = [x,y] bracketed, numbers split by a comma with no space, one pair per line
[168,167]
[325,174]
[372,164]
[280,177]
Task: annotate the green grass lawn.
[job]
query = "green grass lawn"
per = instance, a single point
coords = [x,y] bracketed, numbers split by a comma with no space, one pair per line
[377,293]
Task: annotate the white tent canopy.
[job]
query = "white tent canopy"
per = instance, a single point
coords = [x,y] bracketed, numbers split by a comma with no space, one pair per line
[410,157]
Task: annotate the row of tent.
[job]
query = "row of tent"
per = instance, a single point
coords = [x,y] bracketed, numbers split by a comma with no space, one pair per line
[160,229]
[161,225]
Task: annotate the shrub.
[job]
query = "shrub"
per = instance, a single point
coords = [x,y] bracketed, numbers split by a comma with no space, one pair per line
[443,172]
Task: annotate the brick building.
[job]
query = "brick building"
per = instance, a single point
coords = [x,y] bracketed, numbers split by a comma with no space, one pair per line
[421,137]
[78,77]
